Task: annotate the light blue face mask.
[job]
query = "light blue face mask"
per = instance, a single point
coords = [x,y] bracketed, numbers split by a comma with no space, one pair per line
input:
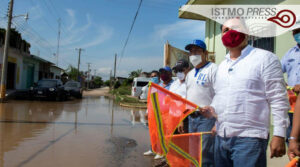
[297,38]
[155,80]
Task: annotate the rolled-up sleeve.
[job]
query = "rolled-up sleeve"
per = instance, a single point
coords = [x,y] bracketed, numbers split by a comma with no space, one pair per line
[276,94]
[283,64]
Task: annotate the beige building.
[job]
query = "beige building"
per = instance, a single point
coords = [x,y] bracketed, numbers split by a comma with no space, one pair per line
[278,45]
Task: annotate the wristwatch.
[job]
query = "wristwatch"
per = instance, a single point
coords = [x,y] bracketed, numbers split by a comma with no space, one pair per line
[292,138]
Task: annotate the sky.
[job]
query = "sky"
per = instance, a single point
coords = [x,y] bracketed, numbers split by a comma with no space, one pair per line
[101,27]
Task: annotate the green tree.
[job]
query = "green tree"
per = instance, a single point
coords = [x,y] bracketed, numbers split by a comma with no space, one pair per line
[135,73]
[107,83]
[72,72]
[98,81]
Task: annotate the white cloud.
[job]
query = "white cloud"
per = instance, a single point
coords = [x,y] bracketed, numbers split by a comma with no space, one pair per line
[72,18]
[180,29]
[104,33]
[88,24]
[35,13]
[104,72]
[77,34]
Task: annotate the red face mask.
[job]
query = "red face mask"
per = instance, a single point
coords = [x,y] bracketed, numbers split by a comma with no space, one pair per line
[233,38]
[164,77]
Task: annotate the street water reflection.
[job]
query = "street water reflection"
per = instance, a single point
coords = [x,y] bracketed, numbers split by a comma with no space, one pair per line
[90,132]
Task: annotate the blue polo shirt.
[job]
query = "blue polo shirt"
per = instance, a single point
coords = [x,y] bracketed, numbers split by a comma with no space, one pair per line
[291,65]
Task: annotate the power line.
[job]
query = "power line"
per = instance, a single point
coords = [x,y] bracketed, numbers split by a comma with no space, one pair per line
[35,34]
[57,13]
[131,28]
[48,51]
[43,18]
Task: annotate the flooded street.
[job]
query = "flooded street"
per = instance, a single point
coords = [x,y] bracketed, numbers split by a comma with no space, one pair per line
[90,132]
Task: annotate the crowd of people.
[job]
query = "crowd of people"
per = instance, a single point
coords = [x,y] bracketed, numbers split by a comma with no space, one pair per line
[237,97]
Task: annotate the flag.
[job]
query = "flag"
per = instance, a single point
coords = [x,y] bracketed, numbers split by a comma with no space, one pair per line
[292,98]
[166,111]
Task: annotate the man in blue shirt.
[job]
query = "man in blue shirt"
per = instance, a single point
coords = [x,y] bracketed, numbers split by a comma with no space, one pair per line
[291,65]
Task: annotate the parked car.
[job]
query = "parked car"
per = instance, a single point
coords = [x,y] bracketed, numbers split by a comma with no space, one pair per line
[50,89]
[74,88]
[137,85]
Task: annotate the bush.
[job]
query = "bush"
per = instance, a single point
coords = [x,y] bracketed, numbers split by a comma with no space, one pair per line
[124,90]
[117,85]
[128,81]
[107,83]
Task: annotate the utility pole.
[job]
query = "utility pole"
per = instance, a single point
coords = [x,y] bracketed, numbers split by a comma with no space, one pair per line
[5,54]
[115,66]
[88,75]
[110,79]
[79,53]
[58,39]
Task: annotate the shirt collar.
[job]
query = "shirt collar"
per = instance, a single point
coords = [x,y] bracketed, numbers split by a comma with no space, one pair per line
[162,83]
[244,53]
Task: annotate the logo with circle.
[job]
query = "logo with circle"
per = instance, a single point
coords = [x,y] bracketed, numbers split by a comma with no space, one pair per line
[284,18]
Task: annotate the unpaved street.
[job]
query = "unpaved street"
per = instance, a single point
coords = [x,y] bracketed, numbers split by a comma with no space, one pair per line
[91,132]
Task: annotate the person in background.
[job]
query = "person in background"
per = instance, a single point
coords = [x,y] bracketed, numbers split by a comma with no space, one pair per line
[166,77]
[294,140]
[249,87]
[155,78]
[178,87]
[166,82]
[181,69]
[290,65]
[199,90]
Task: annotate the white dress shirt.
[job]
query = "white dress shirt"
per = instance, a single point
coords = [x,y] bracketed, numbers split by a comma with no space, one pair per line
[247,90]
[178,88]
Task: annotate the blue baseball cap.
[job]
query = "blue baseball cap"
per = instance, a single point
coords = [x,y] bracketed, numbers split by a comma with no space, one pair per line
[166,68]
[196,42]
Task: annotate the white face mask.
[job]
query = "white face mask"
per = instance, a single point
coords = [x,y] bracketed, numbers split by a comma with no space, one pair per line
[180,75]
[195,59]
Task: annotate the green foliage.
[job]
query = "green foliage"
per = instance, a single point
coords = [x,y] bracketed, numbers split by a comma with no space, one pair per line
[98,81]
[117,85]
[124,90]
[127,82]
[136,73]
[127,99]
[107,83]
[123,93]
[72,73]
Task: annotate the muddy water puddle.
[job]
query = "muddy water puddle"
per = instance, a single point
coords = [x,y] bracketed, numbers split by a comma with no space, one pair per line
[90,132]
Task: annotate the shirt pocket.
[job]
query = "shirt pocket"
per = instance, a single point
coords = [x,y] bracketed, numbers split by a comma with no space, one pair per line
[290,63]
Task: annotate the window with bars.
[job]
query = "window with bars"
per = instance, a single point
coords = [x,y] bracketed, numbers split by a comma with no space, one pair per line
[263,43]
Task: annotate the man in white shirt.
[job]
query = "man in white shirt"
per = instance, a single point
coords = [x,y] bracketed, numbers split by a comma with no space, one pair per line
[181,69]
[199,83]
[154,79]
[249,86]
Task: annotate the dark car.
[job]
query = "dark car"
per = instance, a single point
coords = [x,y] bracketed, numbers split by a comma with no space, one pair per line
[50,89]
[74,89]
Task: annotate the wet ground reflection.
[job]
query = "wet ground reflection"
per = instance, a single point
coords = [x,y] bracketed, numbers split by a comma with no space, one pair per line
[87,132]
